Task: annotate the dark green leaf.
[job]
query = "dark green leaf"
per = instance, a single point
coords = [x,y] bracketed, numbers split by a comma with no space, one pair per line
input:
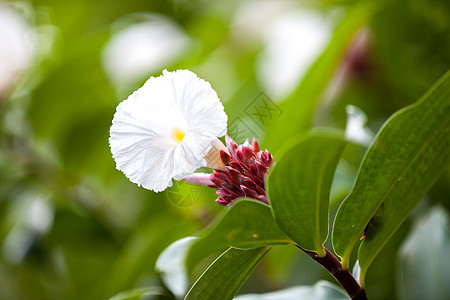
[407,157]
[299,187]
[248,224]
[223,279]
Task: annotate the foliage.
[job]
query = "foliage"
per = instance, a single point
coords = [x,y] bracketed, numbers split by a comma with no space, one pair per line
[299,188]
[408,155]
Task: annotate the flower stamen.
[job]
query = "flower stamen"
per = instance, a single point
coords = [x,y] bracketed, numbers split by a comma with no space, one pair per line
[178,134]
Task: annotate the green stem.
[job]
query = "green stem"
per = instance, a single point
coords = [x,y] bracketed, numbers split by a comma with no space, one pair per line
[344,277]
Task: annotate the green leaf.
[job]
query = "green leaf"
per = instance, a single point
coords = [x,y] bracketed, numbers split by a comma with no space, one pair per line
[138,294]
[322,290]
[298,109]
[407,157]
[225,276]
[299,187]
[248,224]
[423,269]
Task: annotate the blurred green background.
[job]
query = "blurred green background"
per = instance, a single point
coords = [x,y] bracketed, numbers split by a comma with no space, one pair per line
[73,227]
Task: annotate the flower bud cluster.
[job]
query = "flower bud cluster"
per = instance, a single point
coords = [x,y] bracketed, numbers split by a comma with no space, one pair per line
[245,169]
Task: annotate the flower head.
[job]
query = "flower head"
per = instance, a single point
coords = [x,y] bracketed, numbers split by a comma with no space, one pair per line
[245,169]
[165,129]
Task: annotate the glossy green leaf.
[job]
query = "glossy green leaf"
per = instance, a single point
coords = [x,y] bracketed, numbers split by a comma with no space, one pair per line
[298,109]
[424,267]
[138,294]
[322,290]
[248,224]
[299,187]
[407,157]
[224,277]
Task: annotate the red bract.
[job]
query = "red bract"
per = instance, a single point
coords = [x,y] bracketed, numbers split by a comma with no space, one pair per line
[245,168]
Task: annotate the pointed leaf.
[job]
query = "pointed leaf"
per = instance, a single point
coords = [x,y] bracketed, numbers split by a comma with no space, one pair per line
[225,276]
[407,157]
[299,187]
[248,224]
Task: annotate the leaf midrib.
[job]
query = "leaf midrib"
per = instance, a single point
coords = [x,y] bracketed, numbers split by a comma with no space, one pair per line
[318,193]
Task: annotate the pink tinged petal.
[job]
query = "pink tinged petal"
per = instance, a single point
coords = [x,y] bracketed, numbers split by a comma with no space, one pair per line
[228,186]
[262,169]
[249,176]
[254,171]
[237,166]
[258,182]
[248,192]
[228,194]
[218,178]
[241,159]
[233,176]
[263,157]
[200,179]
[263,198]
[248,154]
[224,182]
[231,145]
[255,146]
[260,190]
[267,158]
[223,193]
[222,201]
[250,184]
[225,157]
[233,194]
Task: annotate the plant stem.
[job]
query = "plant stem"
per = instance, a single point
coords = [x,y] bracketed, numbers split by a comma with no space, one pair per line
[344,277]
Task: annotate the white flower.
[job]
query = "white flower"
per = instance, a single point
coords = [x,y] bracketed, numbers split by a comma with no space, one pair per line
[142,47]
[164,130]
[18,47]
[287,57]
[356,129]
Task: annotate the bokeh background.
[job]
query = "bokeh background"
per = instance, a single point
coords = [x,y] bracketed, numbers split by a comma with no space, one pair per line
[73,227]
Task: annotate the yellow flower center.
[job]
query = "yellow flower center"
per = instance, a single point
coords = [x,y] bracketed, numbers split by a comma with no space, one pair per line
[178,134]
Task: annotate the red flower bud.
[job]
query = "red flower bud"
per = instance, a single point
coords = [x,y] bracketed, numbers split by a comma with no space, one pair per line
[245,169]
